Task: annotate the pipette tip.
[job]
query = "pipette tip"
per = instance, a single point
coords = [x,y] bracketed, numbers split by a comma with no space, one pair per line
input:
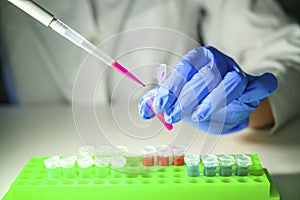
[124,71]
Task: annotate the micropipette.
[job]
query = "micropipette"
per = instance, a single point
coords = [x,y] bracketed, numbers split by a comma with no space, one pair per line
[48,19]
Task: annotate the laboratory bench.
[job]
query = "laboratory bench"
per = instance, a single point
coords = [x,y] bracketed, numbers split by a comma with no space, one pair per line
[48,130]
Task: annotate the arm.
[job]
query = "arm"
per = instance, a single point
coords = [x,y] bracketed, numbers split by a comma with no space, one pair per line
[262,116]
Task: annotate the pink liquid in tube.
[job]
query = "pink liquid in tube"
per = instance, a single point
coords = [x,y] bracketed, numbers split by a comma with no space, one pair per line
[125,72]
[162,119]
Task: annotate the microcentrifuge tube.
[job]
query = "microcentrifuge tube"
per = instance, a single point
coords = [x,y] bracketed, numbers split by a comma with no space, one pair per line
[103,153]
[52,165]
[242,164]
[85,163]
[101,168]
[68,168]
[192,164]
[117,165]
[210,163]
[160,74]
[178,155]
[86,151]
[163,153]
[148,153]
[226,162]
[119,151]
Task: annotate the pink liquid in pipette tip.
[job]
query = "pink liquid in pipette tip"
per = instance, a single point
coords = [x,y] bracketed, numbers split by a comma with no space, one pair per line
[124,71]
[162,119]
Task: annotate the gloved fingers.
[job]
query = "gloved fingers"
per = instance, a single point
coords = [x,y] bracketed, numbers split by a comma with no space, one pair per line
[183,71]
[145,110]
[224,62]
[217,125]
[209,126]
[193,92]
[230,88]
[259,87]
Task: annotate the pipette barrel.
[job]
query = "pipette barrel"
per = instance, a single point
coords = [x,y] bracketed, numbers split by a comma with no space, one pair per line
[83,43]
[48,19]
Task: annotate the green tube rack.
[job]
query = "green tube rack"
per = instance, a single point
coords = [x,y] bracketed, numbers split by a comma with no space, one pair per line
[169,182]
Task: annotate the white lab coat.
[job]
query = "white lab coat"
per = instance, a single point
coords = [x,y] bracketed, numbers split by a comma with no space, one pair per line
[257,34]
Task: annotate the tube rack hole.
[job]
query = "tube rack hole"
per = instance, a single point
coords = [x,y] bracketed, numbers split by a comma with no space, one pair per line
[51,182]
[210,180]
[161,181]
[83,182]
[226,180]
[99,182]
[67,182]
[114,181]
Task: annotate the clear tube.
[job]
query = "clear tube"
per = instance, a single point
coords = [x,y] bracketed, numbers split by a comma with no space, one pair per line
[210,162]
[178,155]
[163,153]
[242,164]
[160,74]
[192,164]
[148,155]
[68,168]
[86,151]
[52,165]
[226,162]
[85,163]
[117,164]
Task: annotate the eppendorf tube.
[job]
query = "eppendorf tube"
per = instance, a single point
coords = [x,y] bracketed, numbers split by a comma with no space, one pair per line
[52,165]
[102,159]
[242,164]
[226,162]
[103,153]
[163,154]
[101,168]
[178,155]
[210,163]
[117,165]
[148,153]
[160,74]
[192,164]
[68,168]
[119,151]
[85,163]
[86,151]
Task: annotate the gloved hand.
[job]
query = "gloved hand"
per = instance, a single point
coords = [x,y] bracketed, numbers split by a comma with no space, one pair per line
[208,90]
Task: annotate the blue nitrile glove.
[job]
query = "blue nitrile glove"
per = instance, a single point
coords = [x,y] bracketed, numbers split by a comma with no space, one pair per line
[208,90]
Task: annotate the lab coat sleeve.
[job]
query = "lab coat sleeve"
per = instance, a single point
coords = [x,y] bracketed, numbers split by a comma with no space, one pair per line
[261,38]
